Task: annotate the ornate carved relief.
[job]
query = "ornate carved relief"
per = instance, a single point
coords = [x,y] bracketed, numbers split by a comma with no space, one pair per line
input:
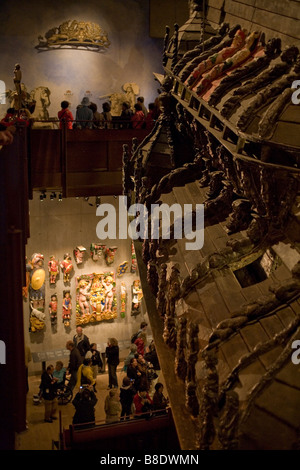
[181,345]
[173,293]
[162,289]
[192,357]
[75,34]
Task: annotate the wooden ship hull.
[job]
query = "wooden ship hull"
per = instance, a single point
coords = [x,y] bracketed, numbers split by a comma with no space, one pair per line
[225,317]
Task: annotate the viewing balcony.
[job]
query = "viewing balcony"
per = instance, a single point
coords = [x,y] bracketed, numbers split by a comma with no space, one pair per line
[77,162]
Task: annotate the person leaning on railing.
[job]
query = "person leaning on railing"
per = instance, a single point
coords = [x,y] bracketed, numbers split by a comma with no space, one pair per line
[105,117]
[84,115]
[138,118]
[65,115]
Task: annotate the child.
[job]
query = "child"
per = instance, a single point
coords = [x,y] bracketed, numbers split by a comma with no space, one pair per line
[59,373]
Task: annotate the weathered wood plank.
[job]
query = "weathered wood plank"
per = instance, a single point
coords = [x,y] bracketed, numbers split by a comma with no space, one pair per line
[213,304]
[274,396]
[253,435]
[286,315]
[234,349]
[229,289]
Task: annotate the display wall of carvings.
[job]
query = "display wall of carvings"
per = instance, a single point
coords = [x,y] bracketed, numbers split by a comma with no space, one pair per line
[84,286]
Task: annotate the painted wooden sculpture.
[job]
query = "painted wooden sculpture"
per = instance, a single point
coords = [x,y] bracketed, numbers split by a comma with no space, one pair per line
[67,267]
[240,56]
[110,255]
[206,65]
[122,268]
[133,259]
[137,295]
[67,308]
[53,309]
[123,300]
[37,293]
[97,251]
[53,268]
[95,297]
[79,254]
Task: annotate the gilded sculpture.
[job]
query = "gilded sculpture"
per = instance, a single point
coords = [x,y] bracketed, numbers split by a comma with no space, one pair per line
[37,293]
[95,297]
[75,34]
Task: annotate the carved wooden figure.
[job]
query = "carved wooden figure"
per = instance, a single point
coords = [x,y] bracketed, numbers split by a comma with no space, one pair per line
[180,361]
[110,255]
[53,268]
[83,292]
[53,309]
[37,293]
[67,267]
[195,61]
[137,295]
[162,289]
[67,308]
[97,251]
[152,277]
[219,69]
[123,300]
[237,43]
[173,294]
[79,254]
[229,421]
[133,259]
[192,357]
[122,268]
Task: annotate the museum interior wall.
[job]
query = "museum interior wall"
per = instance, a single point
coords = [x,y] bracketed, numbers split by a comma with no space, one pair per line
[128,56]
[57,228]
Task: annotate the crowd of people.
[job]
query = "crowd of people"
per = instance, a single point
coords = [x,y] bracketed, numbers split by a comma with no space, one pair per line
[87,116]
[139,395]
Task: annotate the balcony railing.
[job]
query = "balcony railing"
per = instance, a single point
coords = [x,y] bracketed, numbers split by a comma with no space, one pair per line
[79,161]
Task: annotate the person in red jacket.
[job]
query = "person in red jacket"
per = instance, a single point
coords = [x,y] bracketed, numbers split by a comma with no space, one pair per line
[65,115]
[138,118]
[143,403]
[140,343]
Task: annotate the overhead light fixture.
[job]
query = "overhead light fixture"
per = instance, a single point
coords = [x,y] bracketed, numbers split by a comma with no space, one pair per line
[60,197]
[52,196]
